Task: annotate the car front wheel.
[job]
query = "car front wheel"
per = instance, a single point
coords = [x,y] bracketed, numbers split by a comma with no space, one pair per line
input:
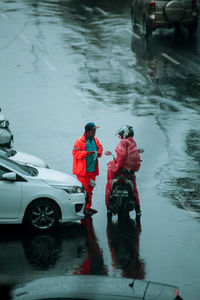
[42,215]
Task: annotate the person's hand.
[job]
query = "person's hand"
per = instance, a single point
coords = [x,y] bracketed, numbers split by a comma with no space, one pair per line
[89,153]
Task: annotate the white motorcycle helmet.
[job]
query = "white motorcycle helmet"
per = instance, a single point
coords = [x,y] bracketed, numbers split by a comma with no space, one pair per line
[125,132]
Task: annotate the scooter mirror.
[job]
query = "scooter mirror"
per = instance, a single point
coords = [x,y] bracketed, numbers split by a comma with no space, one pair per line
[141,150]
[107,153]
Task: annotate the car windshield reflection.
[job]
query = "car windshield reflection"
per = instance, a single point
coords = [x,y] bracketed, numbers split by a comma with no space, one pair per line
[22,168]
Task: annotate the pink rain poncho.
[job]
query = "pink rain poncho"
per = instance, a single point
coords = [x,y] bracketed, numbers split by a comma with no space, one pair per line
[127,157]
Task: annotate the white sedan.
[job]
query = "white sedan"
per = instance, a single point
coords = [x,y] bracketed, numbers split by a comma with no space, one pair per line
[39,197]
[23,158]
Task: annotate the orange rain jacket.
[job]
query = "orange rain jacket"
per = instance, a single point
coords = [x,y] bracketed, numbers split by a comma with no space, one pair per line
[79,156]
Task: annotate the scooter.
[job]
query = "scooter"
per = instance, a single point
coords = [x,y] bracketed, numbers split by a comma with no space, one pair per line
[121,198]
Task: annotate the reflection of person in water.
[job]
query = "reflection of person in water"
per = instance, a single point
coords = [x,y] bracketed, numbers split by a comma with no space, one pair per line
[123,241]
[94,263]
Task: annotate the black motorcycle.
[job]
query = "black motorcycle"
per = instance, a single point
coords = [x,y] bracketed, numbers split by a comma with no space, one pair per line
[121,199]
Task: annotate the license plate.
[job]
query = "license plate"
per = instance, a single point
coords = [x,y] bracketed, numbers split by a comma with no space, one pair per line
[118,193]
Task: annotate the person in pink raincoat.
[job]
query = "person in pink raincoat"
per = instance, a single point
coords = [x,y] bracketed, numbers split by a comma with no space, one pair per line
[128,157]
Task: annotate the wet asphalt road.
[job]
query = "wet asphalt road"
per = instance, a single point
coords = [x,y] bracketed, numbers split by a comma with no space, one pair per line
[66,63]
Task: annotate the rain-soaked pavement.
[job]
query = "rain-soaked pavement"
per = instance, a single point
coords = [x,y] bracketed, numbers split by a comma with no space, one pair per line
[64,63]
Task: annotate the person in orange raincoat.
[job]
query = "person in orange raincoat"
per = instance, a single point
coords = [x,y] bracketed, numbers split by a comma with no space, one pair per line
[87,149]
[127,157]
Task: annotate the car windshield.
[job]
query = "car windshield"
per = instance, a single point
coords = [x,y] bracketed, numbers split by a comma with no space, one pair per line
[22,168]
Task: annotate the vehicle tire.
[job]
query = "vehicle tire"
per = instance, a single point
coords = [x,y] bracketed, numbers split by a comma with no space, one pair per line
[42,215]
[178,11]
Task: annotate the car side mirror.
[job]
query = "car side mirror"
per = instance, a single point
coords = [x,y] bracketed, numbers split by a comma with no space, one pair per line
[11,176]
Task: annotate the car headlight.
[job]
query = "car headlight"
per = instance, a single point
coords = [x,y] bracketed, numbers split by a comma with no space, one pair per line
[72,189]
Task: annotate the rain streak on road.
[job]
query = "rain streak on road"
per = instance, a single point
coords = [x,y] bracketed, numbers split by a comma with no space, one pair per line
[64,63]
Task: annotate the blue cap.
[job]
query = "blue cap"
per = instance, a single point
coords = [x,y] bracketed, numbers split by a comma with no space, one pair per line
[90,126]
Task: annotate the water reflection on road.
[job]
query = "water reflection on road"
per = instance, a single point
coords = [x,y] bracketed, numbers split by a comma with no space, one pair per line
[72,249]
[124,245]
[94,262]
[26,255]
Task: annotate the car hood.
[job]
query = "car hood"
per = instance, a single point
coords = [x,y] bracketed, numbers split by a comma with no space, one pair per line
[57,178]
[25,158]
[93,287]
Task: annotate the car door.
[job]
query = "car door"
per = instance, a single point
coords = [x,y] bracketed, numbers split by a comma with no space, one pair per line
[10,197]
